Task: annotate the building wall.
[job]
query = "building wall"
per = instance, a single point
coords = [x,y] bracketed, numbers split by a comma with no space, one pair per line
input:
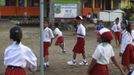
[19,7]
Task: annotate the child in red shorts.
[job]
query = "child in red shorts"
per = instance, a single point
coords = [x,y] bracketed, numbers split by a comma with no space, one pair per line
[47,39]
[79,47]
[17,56]
[59,38]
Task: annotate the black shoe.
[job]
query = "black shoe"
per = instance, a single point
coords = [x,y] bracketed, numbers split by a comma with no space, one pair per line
[130,73]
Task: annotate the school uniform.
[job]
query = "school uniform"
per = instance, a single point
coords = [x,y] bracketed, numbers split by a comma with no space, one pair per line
[59,36]
[99,27]
[102,55]
[80,44]
[47,36]
[127,48]
[17,57]
[116,28]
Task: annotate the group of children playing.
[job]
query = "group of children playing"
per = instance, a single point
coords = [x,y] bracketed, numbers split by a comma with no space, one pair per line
[18,56]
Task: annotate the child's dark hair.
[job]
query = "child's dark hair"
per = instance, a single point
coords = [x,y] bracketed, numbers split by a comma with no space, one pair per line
[128,28]
[127,25]
[46,21]
[16,34]
[56,24]
[105,40]
[78,18]
[117,18]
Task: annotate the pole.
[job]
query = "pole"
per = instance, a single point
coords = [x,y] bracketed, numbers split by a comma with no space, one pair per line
[51,13]
[41,36]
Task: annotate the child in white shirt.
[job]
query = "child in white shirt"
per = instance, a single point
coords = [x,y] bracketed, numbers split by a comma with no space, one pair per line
[17,56]
[59,38]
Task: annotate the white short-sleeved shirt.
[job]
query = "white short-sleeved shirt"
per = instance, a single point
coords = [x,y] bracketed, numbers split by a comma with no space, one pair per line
[47,35]
[103,53]
[57,32]
[116,28]
[81,30]
[20,55]
[126,39]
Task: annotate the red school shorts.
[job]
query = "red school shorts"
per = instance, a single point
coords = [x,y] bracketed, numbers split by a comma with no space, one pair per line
[128,55]
[59,40]
[15,71]
[99,69]
[46,47]
[79,46]
[117,36]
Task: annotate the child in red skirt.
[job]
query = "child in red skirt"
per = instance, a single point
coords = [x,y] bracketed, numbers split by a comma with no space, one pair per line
[47,39]
[102,55]
[79,47]
[116,28]
[127,46]
[59,38]
[18,56]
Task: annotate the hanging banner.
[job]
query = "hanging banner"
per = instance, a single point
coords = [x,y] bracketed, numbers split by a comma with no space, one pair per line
[65,10]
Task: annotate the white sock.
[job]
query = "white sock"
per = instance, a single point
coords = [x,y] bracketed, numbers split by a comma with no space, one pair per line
[84,60]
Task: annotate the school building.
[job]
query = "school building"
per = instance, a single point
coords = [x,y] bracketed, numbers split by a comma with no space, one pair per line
[31,7]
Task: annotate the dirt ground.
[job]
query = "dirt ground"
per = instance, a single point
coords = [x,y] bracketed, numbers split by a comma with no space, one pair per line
[57,59]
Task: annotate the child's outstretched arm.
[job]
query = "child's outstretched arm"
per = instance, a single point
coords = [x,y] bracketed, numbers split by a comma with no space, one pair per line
[93,62]
[117,65]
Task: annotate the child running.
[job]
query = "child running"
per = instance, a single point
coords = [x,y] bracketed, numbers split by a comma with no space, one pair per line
[17,56]
[102,55]
[127,46]
[59,38]
[47,39]
[116,28]
[79,47]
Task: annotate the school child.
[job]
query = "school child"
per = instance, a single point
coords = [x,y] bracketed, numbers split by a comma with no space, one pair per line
[79,46]
[100,25]
[59,38]
[127,46]
[103,54]
[47,39]
[17,56]
[116,28]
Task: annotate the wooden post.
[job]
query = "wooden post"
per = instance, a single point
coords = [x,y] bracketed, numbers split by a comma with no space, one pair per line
[101,4]
[25,4]
[93,4]
[51,13]
[17,3]
[112,5]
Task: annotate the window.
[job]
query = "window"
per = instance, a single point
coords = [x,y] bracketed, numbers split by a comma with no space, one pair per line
[21,2]
[33,3]
[97,3]
[88,3]
[10,2]
[116,4]
[108,4]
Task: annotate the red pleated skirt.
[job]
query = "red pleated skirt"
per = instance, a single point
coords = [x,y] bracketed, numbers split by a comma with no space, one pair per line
[117,35]
[79,46]
[15,71]
[59,40]
[128,55]
[46,47]
[99,69]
